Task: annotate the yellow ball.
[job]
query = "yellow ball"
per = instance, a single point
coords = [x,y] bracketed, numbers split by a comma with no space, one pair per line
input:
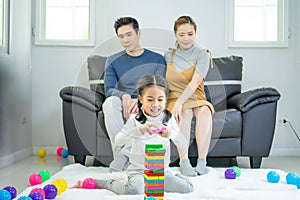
[42,153]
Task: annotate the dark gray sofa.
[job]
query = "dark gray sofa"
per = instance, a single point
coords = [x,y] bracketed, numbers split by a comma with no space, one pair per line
[243,124]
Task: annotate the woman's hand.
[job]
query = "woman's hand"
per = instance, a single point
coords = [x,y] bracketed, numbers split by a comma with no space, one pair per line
[176,111]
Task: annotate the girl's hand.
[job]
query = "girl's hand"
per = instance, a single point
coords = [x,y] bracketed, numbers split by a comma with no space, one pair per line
[149,127]
[77,185]
[166,133]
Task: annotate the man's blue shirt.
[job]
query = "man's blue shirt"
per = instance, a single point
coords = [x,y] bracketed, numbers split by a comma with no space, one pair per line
[123,71]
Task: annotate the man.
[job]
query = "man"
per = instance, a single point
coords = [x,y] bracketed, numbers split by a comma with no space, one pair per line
[123,70]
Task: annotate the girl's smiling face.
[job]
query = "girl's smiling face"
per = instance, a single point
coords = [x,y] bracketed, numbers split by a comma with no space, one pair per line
[153,100]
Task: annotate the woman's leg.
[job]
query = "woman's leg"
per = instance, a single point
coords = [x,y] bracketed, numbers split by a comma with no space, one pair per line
[185,128]
[203,131]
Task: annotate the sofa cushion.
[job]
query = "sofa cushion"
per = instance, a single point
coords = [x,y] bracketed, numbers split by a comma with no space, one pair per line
[227,124]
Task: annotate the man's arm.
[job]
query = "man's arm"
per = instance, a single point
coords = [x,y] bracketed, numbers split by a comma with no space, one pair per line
[161,67]
[111,80]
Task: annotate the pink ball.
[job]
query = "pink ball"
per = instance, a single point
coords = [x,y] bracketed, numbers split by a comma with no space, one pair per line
[59,150]
[35,179]
[40,190]
[89,183]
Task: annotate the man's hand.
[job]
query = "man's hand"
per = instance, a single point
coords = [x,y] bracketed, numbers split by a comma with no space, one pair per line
[129,106]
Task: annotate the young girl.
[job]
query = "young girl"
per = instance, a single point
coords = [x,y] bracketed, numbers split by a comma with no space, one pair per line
[141,129]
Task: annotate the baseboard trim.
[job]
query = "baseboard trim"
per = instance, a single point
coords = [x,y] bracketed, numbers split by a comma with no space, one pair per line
[285,152]
[14,157]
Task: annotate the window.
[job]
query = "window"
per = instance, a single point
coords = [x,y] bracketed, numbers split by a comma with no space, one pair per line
[65,22]
[4,25]
[257,23]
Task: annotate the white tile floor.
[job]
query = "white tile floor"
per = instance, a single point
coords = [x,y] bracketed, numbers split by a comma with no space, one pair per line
[18,173]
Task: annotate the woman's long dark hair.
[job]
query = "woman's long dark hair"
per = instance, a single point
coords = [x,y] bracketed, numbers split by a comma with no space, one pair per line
[145,82]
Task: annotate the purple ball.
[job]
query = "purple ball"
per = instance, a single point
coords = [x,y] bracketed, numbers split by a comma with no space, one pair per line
[230,174]
[12,190]
[36,196]
[50,191]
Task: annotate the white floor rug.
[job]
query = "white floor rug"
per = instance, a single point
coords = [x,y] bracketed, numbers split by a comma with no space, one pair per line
[252,184]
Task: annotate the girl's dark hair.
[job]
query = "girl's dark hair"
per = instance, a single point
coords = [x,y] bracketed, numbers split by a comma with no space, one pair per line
[184,20]
[145,82]
[125,21]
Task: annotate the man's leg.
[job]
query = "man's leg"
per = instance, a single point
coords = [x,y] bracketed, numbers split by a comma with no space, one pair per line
[114,122]
[113,118]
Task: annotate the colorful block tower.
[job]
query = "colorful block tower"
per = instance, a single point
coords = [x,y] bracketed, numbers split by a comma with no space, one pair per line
[154,172]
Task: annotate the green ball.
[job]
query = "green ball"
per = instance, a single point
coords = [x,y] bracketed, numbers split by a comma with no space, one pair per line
[237,170]
[45,174]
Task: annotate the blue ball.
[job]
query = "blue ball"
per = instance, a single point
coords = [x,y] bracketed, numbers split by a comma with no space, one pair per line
[5,195]
[273,177]
[298,183]
[65,153]
[24,198]
[291,178]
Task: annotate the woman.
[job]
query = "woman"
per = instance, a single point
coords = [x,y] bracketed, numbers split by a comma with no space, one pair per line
[186,70]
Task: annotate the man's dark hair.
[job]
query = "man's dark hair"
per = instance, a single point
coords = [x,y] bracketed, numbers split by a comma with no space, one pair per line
[126,21]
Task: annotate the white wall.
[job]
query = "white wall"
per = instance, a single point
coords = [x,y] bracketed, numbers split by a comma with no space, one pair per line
[15,88]
[56,67]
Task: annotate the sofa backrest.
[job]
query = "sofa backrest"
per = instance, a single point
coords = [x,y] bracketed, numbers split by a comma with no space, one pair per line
[96,67]
[222,81]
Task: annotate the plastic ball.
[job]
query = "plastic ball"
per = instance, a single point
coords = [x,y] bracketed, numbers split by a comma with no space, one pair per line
[35,179]
[5,195]
[298,183]
[230,174]
[12,190]
[89,183]
[42,153]
[40,190]
[273,177]
[237,170]
[50,191]
[291,178]
[25,198]
[36,196]
[63,184]
[59,150]
[45,174]
[65,153]
[58,186]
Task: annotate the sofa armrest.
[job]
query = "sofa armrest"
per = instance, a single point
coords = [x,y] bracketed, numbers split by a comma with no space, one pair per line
[247,100]
[83,96]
